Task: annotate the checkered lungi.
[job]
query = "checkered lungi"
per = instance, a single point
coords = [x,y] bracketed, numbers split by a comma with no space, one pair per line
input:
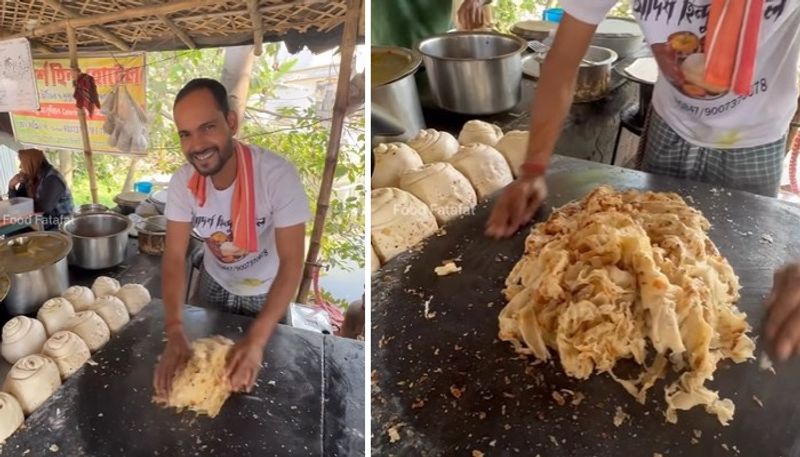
[209,294]
[757,169]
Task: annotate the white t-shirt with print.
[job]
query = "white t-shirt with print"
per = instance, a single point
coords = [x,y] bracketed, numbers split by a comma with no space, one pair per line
[280,201]
[675,30]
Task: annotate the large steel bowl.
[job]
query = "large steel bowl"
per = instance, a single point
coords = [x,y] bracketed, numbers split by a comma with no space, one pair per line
[99,240]
[33,269]
[474,73]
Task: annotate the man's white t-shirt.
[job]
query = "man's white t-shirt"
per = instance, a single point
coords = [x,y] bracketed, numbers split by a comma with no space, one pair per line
[280,201]
[675,30]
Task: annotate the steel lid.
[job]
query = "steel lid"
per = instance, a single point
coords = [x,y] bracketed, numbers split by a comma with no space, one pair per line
[130,198]
[391,63]
[5,285]
[32,251]
[619,27]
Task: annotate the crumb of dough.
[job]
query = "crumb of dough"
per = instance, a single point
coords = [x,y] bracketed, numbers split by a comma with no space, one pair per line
[620,416]
[577,398]
[53,448]
[758,401]
[697,433]
[456,392]
[447,268]
[394,435]
[765,363]
[477,453]
[559,398]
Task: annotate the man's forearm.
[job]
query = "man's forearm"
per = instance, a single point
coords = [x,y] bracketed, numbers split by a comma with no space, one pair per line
[548,110]
[277,303]
[173,284]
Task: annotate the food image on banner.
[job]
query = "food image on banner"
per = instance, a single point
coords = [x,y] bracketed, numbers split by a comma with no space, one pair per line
[55,124]
[17,88]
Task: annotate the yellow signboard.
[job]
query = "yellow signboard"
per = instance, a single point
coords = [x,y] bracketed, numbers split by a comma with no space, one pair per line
[55,124]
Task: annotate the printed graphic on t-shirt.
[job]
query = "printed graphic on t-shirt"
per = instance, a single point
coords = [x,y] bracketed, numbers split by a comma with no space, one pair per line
[682,56]
[220,239]
[221,244]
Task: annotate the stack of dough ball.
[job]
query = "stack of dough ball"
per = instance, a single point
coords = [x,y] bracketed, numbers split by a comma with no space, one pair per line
[32,380]
[82,298]
[11,416]
[485,168]
[113,312]
[91,328]
[391,161]
[514,147]
[433,145]
[55,313]
[399,221]
[22,336]
[439,185]
[135,297]
[480,132]
[68,351]
[104,285]
[376,262]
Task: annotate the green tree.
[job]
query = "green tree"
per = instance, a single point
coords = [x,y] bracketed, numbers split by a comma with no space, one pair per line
[509,12]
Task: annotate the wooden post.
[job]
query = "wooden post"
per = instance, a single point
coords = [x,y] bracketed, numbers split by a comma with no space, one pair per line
[87,147]
[347,47]
[258,27]
[65,166]
[236,70]
[131,172]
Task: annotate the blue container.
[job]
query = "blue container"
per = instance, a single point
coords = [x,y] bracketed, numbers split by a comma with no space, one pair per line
[143,187]
[553,14]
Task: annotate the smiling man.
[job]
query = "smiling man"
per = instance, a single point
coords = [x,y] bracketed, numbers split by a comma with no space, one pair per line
[250,207]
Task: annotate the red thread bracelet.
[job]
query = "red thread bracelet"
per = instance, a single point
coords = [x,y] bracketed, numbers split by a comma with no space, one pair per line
[533,169]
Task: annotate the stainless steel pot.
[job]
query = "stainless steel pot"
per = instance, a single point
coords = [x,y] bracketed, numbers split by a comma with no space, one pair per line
[474,73]
[593,80]
[99,240]
[394,91]
[152,235]
[621,35]
[36,268]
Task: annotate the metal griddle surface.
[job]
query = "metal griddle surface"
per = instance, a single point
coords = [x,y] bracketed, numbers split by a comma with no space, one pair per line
[309,400]
[507,407]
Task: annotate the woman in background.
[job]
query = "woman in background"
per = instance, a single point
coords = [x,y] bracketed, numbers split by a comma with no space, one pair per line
[39,180]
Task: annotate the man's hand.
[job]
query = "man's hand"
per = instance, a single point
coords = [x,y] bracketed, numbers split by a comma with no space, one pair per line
[516,206]
[470,14]
[172,361]
[783,307]
[244,363]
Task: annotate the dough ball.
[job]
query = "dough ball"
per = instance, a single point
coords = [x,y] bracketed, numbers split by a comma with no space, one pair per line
[11,416]
[485,168]
[433,145]
[135,297]
[82,298]
[480,132]
[104,285]
[32,380]
[444,189]
[55,313]
[22,336]
[514,147]
[391,160]
[375,262]
[399,221]
[91,328]
[68,351]
[113,312]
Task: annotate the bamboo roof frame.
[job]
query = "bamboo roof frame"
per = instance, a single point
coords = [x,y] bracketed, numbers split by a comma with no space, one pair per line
[155,25]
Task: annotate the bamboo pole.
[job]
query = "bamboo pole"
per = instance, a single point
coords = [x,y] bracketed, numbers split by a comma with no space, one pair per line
[258,27]
[131,172]
[87,147]
[347,47]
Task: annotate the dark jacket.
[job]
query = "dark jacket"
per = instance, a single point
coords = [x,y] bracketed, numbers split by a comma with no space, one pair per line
[52,198]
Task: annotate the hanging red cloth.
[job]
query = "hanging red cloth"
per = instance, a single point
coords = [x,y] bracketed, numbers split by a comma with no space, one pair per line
[86,94]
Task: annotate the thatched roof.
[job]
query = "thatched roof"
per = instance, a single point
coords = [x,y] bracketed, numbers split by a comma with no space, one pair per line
[152,25]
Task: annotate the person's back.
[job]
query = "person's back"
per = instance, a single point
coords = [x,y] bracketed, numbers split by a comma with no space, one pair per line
[406,23]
